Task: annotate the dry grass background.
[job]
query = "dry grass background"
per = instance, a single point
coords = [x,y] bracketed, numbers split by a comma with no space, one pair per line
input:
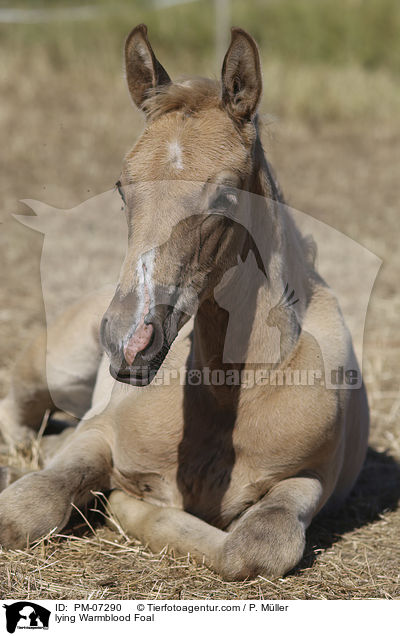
[334,145]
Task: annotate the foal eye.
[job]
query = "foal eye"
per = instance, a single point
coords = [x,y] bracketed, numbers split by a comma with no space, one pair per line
[225,199]
[118,186]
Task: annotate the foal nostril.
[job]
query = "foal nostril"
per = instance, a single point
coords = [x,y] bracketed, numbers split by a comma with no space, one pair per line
[139,341]
[106,339]
[103,332]
[156,341]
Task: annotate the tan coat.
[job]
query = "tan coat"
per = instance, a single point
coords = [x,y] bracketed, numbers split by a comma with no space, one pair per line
[230,474]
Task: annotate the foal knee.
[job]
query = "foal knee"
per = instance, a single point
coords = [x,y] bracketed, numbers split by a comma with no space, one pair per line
[268,542]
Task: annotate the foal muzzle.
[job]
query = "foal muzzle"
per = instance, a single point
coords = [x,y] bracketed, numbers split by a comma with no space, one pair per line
[137,357]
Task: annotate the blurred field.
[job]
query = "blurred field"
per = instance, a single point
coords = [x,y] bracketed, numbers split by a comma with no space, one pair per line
[331,107]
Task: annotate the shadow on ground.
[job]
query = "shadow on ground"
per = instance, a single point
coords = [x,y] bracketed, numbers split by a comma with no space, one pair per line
[377,491]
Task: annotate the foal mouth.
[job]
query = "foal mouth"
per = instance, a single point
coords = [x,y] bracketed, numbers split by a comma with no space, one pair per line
[140,373]
[138,376]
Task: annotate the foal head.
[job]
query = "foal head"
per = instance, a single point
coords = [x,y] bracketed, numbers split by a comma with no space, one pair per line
[180,184]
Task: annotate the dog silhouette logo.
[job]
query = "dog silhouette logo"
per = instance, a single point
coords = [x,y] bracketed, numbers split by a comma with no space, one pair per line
[26,615]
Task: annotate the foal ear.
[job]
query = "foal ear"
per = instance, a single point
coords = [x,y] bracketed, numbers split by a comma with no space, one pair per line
[143,70]
[241,76]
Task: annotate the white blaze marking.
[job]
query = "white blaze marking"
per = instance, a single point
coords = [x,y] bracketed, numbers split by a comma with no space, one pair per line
[175,155]
[144,270]
[145,290]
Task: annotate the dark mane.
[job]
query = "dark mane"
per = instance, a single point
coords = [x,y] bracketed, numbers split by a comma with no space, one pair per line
[188,96]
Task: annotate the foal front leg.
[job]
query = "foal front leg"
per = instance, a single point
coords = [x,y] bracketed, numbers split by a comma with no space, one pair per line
[158,527]
[268,539]
[39,502]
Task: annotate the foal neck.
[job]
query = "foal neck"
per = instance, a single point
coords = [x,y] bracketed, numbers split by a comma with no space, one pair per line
[232,330]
